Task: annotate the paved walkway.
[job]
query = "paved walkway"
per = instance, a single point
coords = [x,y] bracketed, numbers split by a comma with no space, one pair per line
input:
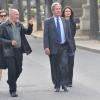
[35,81]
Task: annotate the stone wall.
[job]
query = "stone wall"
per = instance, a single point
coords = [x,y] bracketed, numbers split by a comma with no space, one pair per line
[85,19]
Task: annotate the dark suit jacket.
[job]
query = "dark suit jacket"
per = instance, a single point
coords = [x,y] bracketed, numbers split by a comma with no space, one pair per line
[50,35]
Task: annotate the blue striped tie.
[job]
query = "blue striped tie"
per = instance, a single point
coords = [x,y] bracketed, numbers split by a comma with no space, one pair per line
[58,31]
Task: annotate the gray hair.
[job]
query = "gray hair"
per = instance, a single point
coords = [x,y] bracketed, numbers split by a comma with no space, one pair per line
[12,10]
[54,4]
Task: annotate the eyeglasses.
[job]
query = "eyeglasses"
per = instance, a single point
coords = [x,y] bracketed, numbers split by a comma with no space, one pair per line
[3,15]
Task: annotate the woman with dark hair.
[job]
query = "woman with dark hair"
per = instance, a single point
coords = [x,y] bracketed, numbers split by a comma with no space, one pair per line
[69,15]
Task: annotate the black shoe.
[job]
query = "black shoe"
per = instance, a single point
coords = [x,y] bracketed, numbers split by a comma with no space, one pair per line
[65,88]
[57,90]
[69,85]
[13,94]
[7,82]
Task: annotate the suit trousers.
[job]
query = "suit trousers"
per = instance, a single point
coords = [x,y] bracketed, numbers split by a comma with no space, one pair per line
[59,66]
[70,69]
[14,65]
[2,59]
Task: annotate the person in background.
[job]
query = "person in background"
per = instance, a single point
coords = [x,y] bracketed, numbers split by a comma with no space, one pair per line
[57,44]
[3,15]
[69,16]
[14,45]
[3,18]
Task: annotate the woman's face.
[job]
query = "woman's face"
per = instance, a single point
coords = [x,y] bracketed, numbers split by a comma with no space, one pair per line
[67,12]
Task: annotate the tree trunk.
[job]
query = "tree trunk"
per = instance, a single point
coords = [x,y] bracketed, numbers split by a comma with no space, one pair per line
[20,8]
[94,23]
[28,9]
[4,4]
[38,15]
[15,4]
[48,12]
[0,4]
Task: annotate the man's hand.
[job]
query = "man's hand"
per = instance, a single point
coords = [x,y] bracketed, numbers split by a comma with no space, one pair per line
[47,51]
[14,43]
[30,22]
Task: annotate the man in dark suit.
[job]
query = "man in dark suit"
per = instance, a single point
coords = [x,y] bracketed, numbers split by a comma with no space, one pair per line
[14,44]
[57,44]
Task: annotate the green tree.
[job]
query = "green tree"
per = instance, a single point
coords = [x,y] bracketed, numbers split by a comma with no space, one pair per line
[98,1]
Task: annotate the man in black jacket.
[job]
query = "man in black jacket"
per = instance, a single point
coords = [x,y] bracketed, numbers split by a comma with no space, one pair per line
[14,45]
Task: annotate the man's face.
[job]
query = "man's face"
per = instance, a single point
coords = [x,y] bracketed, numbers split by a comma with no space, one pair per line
[15,16]
[57,10]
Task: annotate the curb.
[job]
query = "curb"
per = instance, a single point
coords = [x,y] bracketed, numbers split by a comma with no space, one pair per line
[88,49]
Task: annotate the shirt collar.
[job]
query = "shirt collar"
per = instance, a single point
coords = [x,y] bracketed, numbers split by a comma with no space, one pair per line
[57,17]
[10,23]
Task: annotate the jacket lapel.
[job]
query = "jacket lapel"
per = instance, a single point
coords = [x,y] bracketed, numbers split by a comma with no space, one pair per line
[53,24]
